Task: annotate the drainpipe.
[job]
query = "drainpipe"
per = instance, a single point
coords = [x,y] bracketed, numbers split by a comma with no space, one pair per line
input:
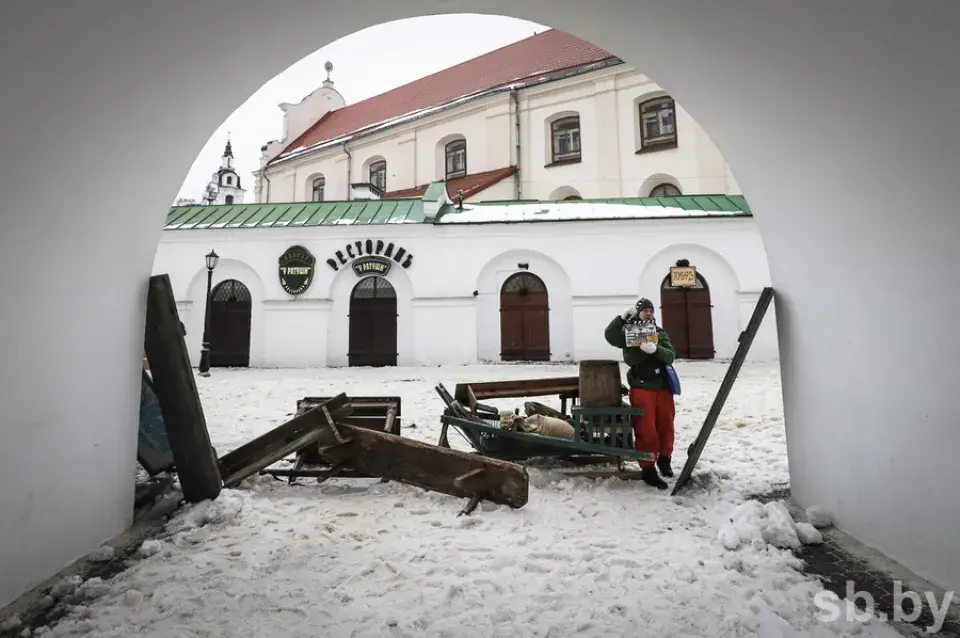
[516,110]
[349,171]
[263,174]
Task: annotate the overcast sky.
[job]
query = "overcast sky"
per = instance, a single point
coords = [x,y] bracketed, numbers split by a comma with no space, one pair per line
[366,63]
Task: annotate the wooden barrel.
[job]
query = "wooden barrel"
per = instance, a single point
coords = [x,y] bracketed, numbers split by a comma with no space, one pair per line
[600,383]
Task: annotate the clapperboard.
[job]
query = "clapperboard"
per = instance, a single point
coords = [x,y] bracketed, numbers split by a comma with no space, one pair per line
[640,332]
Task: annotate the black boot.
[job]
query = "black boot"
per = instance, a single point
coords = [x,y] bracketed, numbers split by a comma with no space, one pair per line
[649,476]
[663,464]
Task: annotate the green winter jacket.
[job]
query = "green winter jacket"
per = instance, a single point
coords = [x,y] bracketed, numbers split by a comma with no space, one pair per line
[647,371]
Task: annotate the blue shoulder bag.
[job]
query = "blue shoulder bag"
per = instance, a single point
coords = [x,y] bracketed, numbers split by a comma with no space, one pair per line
[673,381]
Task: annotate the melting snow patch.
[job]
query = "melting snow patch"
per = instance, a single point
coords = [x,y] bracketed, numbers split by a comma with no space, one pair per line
[756,524]
[819,517]
[10,623]
[809,535]
[226,508]
[102,554]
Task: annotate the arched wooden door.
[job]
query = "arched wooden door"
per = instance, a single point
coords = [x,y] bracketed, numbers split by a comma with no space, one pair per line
[524,319]
[687,316]
[373,323]
[230,311]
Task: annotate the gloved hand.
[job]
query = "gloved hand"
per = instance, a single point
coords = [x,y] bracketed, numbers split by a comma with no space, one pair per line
[629,313]
[648,347]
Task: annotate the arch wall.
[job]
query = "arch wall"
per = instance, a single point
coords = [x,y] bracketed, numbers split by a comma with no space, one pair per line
[815,203]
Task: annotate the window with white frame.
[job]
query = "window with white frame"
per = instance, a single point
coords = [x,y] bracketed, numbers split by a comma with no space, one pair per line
[658,123]
[316,193]
[455,154]
[565,139]
[378,175]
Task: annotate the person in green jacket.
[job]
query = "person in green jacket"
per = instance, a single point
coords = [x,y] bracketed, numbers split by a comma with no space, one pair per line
[649,388]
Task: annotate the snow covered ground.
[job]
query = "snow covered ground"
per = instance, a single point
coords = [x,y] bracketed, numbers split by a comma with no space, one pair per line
[583,557]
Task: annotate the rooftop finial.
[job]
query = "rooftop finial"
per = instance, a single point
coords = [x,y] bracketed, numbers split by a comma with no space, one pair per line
[328,67]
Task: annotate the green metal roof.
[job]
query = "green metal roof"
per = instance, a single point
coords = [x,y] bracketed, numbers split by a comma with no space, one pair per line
[296,214]
[706,203]
[394,211]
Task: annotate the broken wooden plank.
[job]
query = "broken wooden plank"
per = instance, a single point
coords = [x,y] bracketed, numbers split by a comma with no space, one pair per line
[176,390]
[302,430]
[427,466]
[378,413]
[746,340]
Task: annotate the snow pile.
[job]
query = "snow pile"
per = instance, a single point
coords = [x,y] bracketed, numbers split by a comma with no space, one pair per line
[11,623]
[355,557]
[759,524]
[102,554]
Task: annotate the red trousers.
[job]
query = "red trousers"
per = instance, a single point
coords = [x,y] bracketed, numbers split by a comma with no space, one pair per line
[653,432]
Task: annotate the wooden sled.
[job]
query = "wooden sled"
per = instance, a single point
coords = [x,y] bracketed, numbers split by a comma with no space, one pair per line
[601,433]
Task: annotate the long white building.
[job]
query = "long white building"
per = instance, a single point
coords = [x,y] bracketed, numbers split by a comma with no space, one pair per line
[550,117]
[420,281]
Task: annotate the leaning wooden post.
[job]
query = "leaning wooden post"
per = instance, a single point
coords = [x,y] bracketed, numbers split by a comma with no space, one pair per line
[176,389]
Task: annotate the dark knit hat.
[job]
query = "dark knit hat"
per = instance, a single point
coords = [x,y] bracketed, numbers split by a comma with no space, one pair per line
[643,304]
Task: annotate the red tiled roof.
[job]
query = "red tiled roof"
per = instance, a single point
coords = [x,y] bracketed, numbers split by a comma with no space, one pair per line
[469,184]
[548,52]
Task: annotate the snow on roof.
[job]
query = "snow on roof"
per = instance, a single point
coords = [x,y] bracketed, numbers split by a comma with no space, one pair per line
[571,211]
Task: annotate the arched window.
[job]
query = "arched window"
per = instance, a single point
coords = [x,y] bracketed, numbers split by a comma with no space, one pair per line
[228,199]
[658,123]
[316,193]
[229,180]
[378,175]
[455,154]
[565,139]
[665,190]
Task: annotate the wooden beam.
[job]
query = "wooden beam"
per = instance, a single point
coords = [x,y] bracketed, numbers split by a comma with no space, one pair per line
[438,469]
[176,390]
[304,429]
[569,386]
[746,340]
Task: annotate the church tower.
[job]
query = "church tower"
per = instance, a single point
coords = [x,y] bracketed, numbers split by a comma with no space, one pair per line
[224,187]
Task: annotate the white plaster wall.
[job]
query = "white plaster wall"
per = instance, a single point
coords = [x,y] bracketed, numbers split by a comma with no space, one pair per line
[710,57]
[592,271]
[607,102]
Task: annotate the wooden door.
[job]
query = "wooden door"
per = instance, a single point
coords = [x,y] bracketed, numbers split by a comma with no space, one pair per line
[687,316]
[231,309]
[524,319]
[373,323]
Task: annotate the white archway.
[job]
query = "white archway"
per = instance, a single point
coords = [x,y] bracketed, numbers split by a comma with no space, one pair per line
[338,328]
[805,52]
[491,279]
[192,314]
[721,278]
[564,192]
[655,180]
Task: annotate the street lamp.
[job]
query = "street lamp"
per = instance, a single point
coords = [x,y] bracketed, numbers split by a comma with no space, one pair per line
[211,260]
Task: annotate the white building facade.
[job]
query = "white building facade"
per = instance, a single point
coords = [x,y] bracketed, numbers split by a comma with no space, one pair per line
[548,118]
[419,282]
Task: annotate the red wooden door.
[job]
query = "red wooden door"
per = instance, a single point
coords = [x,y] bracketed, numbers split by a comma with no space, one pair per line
[231,309]
[524,319]
[687,316]
[699,324]
[373,323]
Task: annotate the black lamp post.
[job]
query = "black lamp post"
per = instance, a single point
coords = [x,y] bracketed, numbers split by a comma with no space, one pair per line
[211,260]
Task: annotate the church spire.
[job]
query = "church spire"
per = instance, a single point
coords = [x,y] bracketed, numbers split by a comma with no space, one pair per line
[228,149]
